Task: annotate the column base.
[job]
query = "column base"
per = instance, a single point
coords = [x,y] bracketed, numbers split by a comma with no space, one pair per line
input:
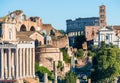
[9,78]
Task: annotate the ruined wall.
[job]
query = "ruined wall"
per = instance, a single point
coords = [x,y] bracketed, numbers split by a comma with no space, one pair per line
[60,42]
[91,32]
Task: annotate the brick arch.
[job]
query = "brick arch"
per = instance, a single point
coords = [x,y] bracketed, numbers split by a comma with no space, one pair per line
[23,28]
[44,32]
[52,32]
[32,28]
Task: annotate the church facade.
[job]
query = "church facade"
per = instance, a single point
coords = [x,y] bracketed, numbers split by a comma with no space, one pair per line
[108,35]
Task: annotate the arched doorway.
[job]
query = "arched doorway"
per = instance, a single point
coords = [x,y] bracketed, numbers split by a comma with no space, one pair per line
[36,43]
[32,28]
[23,28]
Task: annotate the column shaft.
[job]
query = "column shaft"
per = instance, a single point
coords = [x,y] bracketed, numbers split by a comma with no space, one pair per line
[24,62]
[30,62]
[16,60]
[9,67]
[33,54]
[2,63]
[27,62]
[20,62]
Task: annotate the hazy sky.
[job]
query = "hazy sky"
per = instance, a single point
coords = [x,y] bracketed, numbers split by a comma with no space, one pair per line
[56,12]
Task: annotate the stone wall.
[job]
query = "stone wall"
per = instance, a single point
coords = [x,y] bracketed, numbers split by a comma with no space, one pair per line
[46,55]
[61,42]
[91,32]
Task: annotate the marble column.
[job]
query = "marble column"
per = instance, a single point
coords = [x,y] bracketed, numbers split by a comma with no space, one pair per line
[16,60]
[20,62]
[33,56]
[23,62]
[9,68]
[45,78]
[13,59]
[55,71]
[30,62]
[2,64]
[27,62]
[5,66]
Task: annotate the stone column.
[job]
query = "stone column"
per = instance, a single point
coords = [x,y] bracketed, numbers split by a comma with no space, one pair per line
[23,62]
[55,71]
[16,64]
[5,66]
[33,56]
[27,62]
[89,80]
[9,68]
[30,62]
[45,78]
[2,64]
[20,67]
[13,66]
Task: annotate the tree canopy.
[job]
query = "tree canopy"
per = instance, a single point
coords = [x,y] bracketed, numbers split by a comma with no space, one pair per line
[66,57]
[40,71]
[106,64]
[80,53]
[70,77]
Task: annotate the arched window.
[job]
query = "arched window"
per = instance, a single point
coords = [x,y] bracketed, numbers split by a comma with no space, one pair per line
[32,28]
[44,32]
[23,28]
[52,32]
[10,34]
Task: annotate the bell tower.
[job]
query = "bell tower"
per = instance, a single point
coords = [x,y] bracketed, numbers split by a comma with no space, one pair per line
[102,13]
[9,30]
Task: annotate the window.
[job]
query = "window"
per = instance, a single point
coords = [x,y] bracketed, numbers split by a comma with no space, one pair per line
[10,34]
[107,37]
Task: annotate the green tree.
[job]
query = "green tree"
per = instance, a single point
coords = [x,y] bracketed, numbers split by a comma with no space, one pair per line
[70,77]
[106,64]
[90,53]
[80,53]
[103,45]
[66,57]
[41,70]
[79,40]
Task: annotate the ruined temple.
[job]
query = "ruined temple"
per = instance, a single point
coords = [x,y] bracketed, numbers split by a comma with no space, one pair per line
[33,28]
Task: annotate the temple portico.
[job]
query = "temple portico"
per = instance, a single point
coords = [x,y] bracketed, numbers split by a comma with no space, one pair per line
[16,61]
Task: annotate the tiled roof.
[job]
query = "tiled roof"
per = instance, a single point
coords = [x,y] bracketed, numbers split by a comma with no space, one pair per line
[24,36]
[27,33]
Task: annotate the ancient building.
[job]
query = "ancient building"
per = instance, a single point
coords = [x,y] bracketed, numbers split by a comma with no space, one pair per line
[17,54]
[77,27]
[33,28]
[91,32]
[47,54]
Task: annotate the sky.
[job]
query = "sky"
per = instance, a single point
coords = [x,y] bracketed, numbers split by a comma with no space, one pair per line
[56,12]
